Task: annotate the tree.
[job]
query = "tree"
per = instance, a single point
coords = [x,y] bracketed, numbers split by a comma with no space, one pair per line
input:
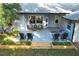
[8,13]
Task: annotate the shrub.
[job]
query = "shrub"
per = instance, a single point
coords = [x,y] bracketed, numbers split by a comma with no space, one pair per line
[62,43]
[18,43]
[2,36]
[28,42]
[22,42]
[10,34]
[16,31]
[7,42]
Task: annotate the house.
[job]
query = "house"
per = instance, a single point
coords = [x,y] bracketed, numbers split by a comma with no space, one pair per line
[74,17]
[45,27]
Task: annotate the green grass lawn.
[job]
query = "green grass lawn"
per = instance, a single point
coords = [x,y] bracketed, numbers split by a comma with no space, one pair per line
[39,52]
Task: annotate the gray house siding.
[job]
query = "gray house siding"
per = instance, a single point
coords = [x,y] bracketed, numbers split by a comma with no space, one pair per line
[43,35]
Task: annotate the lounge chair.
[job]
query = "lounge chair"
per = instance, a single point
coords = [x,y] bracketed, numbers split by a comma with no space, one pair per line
[56,37]
[29,36]
[64,36]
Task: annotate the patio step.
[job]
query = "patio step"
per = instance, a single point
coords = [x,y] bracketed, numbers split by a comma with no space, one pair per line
[41,45]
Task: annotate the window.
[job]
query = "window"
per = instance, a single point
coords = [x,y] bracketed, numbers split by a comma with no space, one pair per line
[35,22]
[39,21]
[56,21]
[32,21]
[68,27]
[32,17]
[46,21]
[36,19]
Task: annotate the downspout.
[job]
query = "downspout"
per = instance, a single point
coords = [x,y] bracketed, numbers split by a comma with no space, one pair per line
[73,31]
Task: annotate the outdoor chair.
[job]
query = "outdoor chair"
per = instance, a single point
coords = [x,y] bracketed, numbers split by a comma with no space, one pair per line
[29,36]
[22,36]
[56,37]
[64,35]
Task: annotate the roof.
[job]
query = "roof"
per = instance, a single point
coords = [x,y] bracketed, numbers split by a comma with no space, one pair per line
[73,16]
[39,13]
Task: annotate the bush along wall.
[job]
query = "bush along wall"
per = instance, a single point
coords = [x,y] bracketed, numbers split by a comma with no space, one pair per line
[62,43]
[24,42]
[7,42]
[2,36]
[28,42]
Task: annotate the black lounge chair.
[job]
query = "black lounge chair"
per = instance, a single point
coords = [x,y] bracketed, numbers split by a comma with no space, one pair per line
[22,36]
[64,35]
[56,37]
[29,36]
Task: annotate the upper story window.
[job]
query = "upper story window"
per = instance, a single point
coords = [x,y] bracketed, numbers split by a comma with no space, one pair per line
[35,22]
[36,19]
[39,20]
[32,19]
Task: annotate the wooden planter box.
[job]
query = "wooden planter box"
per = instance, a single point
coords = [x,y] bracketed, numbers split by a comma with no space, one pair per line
[62,47]
[15,47]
